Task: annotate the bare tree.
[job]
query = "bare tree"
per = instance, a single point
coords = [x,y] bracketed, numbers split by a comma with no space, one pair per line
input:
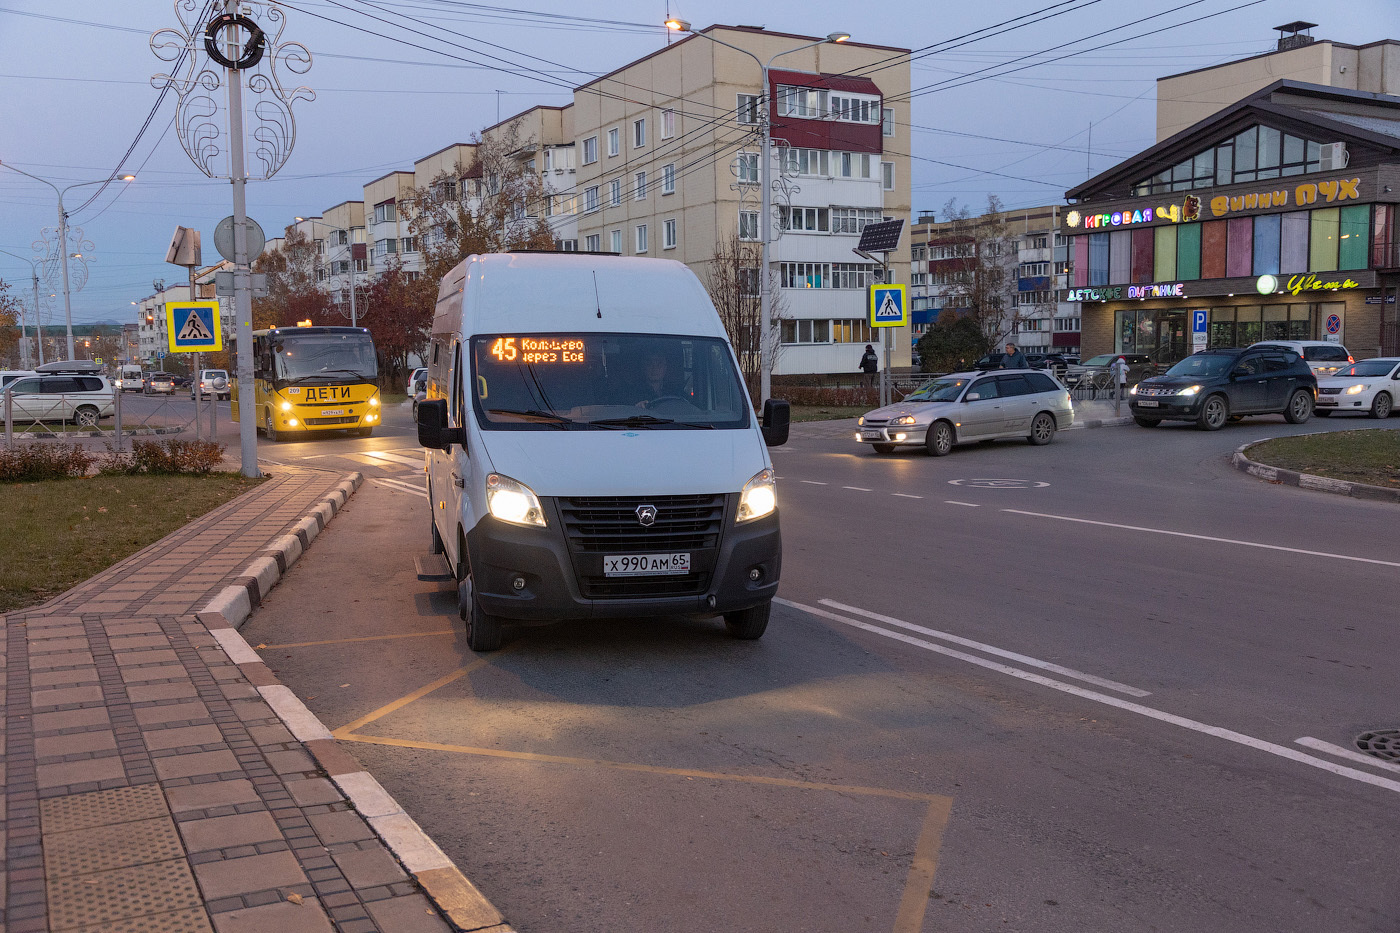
[981,279]
[732,279]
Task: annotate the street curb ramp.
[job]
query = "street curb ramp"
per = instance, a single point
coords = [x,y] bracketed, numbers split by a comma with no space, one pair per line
[465,907]
[1273,474]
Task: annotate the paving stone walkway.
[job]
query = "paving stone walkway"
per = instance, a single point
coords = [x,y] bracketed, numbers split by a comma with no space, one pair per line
[150,787]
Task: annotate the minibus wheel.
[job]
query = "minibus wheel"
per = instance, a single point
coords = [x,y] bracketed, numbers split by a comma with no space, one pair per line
[748,624]
[483,630]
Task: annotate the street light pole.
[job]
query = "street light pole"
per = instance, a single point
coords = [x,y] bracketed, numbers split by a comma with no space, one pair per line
[765,197]
[39,328]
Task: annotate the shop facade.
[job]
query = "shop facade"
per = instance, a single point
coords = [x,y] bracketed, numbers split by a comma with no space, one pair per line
[1272,220]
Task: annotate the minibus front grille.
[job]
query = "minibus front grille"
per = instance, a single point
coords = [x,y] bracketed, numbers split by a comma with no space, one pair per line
[610,525]
[690,584]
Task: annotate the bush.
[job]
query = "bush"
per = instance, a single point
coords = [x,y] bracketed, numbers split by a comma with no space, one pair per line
[168,456]
[40,460]
[828,396]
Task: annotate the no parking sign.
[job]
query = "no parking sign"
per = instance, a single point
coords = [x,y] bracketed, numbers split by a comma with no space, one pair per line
[1334,328]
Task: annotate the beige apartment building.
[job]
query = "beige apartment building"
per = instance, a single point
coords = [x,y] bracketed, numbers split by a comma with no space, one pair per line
[668,150]
[542,144]
[1186,99]
[386,226]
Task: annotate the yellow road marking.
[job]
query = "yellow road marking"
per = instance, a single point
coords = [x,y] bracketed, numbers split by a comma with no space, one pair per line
[347,641]
[344,731]
[919,885]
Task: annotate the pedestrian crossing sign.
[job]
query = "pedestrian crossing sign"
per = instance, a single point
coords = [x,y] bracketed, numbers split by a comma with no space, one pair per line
[889,306]
[193,326]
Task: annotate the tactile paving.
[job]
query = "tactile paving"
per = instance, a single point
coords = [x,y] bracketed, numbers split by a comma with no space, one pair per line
[102,848]
[122,894]
[103,808]
[179,921]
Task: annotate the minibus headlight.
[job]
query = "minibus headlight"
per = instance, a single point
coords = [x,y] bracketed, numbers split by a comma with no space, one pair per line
[759,497]
[512,501]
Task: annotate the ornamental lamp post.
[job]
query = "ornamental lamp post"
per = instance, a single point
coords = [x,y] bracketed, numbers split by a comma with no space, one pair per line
[765,218]
[38,326]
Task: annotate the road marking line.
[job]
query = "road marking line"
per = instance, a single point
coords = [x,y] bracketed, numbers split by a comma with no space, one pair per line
[401,486]
[347,641]
[396,458]
[1183,534]
[856,488]
[905,495]
[811,482]
[991,649]
[919,884]
[970,505]
[1347,753]
[1228,735]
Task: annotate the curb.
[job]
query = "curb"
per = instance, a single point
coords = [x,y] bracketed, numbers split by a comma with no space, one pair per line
[1101,422]
[1275,474]
[126,432]
[465,907]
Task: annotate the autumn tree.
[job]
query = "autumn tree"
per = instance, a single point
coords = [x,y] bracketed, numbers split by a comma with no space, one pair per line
[980,279]
[293,294]
[10,311]
[732,279]
[399,315]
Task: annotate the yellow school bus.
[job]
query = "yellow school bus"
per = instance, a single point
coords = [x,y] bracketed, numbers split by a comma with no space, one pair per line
[311,379]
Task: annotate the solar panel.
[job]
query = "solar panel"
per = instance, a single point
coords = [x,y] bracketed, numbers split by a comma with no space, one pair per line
[882,237]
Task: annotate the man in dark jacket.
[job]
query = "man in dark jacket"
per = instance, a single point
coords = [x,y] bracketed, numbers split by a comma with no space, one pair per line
[1014,358]
[869,365]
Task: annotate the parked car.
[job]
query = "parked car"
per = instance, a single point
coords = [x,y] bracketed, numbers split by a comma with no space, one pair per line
[1095,370]
[972,406]
[420,373]
[159,383]
[8,376]
[1370,386]
[420,393]
[1215,386]
[63,391]
[212,382]
[181,382]
[130,378]
[1054,362]
[1323,357]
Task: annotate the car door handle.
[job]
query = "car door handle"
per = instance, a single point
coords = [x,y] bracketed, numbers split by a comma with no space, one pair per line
[457,480]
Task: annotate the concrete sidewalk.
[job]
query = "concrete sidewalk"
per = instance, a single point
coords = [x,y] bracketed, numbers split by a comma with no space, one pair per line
[159,778]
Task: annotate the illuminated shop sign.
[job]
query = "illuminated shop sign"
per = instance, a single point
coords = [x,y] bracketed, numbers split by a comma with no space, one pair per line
[1121,292]
[1222,205]
[1297,284]
[1146,215]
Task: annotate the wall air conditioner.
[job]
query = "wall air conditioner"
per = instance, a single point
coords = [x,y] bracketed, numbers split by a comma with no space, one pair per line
[1335,157]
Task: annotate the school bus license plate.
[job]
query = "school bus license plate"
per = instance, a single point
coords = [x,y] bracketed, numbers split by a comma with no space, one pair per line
[645,565]
[332,411]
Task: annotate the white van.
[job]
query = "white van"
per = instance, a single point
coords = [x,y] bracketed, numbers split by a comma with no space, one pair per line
[592,452]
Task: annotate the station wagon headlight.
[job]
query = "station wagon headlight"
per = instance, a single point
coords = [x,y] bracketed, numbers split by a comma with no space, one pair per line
[1356,389]
[860,420]
[1189,390]
[903,419]
[512,501]
[759,497]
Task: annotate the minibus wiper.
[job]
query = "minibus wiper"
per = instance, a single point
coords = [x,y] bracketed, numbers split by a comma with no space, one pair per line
[646,421]
[533,413]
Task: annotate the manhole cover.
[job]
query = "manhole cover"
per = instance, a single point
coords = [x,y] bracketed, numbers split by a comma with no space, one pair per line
[1380,743]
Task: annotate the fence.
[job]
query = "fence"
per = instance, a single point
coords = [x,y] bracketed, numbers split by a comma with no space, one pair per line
[63,415]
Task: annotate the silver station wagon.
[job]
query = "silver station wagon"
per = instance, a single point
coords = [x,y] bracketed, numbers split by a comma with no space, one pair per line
[963,407]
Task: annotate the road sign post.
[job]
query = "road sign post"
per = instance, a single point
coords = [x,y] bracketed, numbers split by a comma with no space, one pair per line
[1199,334]
[889,308]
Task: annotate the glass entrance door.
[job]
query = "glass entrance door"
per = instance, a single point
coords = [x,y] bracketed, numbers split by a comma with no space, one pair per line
[1170,338]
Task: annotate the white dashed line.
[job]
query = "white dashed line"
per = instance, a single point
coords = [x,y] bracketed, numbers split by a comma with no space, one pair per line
[970,505]
[856,488]
[905,495]
[1347,753]
[811,482]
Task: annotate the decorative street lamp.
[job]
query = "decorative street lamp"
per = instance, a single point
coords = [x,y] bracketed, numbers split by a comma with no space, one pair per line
[765,217]
[38,326]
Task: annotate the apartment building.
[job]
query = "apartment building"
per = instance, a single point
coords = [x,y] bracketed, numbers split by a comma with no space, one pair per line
[541,142]
[387,202]
[668,166]
[152,341]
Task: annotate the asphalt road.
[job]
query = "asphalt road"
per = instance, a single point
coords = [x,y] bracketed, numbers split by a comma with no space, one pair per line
[1119,693]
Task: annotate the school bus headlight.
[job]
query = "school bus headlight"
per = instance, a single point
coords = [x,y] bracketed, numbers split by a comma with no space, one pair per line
[291,422]
[374,401]
[286,406]
[512,501]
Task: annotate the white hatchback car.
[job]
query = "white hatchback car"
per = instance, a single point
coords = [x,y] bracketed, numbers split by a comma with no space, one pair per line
[1368,387]
[963,407]
[211,382]
[63,391]
[420,373]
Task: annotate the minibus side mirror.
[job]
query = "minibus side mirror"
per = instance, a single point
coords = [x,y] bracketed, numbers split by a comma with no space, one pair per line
[777,418]
[433,431]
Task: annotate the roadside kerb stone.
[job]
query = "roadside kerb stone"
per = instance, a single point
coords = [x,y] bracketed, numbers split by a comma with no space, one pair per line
[1240,460]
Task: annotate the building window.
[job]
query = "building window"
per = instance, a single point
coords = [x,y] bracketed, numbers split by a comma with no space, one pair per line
[593,242]
[887,123]
[567,246]
[1039,242]
[386,247]
[748,280]
[385,213]
[614,141]
[918,278]
[668,124]
[805,274]
[853,331]
[639,133]
[805,331]
[747,111]
[639,187]
[409,244]
[746,167]
[805,219]
[616,237]
[668,234]
[853,219]
[668,179]
[590,199]
[615,192]
[1033,269]
[641,238]
[852,274]
[887,176]
[852,108]
[805,161]
[590,150]
[748,225]
[1066,325]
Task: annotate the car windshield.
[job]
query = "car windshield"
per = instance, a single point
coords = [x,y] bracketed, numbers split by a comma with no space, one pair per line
[1202,365]
[595,382]
[338,357]
[1367,368]
[1103,359]
[939,390]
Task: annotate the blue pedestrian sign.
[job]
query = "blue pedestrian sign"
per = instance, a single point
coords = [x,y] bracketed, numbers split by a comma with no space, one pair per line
[193,326]
[889,306]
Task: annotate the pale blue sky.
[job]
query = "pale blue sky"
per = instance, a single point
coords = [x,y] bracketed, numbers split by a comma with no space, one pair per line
[75,88]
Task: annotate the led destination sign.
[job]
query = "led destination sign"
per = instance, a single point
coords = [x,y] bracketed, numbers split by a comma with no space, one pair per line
[538,349]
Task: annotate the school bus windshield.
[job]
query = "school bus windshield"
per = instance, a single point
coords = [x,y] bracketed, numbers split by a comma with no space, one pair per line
[339,357]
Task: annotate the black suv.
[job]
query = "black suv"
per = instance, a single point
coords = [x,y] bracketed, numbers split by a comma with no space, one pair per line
[1215,386]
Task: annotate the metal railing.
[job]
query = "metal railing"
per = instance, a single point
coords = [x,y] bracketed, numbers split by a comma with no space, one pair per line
[60,416]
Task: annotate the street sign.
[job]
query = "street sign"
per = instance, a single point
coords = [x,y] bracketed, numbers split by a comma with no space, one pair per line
[1198,330]
[223,284]
[193,326]
[223,238]
[888,306]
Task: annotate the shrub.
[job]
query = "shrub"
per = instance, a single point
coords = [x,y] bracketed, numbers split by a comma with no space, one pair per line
[168,456]
[828,395]
[40,460]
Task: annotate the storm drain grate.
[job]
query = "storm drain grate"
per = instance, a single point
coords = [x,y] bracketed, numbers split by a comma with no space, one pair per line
[1380,743]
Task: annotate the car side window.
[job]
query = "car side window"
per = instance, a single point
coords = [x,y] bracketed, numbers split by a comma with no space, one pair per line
[457,404]
[1009,386]
[59,385]
[1278,362]
[1250,365]
[89,384]
[1041,383]
[25,386]
[983,389]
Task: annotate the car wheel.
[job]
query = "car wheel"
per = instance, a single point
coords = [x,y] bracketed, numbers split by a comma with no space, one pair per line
[483,630]
[748,624]
[940,439]
[1147,422]
[86,416]
[1215,411]
[1042,429]
[1380,407]
[1300,407]
[883,448]
[269,429]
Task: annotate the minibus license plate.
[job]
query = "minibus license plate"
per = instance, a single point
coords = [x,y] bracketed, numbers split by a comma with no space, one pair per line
[645,565]
[332,411]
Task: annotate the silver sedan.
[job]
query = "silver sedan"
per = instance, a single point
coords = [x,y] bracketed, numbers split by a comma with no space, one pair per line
[964,407]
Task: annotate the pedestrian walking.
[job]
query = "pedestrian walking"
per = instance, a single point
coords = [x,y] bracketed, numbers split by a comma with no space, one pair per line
[1119,369]
[869,366]
[1013,358]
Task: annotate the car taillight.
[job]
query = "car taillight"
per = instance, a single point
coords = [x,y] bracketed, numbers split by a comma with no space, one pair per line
[1349,359]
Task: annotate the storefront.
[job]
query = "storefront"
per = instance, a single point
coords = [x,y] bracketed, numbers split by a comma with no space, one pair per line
[1240,229]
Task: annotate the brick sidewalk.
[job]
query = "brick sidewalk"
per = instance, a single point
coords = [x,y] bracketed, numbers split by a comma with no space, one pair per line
[150,786]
